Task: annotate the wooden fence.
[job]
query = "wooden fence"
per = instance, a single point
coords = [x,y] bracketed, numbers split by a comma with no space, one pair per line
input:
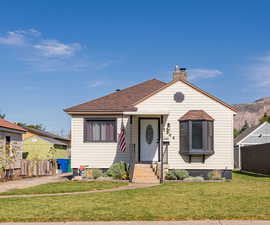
[256,158]
[32,168]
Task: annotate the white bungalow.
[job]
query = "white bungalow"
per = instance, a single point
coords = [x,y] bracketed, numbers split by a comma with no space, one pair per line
[173,124]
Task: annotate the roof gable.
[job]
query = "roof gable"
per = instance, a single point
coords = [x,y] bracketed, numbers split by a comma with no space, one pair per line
[246,133]
[193,87]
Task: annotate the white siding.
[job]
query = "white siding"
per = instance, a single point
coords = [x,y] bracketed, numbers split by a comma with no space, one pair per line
[194,100]
[95,155]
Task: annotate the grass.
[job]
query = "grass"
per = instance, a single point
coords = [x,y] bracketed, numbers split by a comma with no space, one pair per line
[246,197]
[65,186]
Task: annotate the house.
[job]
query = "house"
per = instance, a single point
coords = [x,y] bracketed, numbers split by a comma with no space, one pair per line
[42,145]
[11,147]
[259,134]
[175,123]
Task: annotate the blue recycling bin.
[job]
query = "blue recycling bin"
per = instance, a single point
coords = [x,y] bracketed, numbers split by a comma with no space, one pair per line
[63,165]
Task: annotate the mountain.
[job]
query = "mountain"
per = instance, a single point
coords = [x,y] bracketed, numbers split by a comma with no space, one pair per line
[251,112]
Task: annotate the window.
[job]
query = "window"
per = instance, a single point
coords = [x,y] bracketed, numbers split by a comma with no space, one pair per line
[8,146]
[64,147]
[100,130]
[196,137]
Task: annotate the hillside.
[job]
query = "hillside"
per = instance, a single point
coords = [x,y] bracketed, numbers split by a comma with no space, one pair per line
[251,112]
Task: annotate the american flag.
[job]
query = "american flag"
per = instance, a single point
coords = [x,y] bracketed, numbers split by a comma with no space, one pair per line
[122,139]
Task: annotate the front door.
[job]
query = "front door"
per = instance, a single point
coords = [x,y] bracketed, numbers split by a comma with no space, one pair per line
[149,140]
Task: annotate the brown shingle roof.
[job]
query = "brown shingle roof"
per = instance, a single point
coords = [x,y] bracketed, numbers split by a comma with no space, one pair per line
[9,125]
[196,115]
[119,101]
[126,99]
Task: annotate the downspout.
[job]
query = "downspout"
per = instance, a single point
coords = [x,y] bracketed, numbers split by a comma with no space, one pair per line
[239,156]
[131,150]
[161,152]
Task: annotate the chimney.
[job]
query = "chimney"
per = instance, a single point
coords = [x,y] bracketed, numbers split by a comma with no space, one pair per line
[179,73]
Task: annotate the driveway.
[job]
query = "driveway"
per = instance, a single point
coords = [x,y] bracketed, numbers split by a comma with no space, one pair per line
[30,182]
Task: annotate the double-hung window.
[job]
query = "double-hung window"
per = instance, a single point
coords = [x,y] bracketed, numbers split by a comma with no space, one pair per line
[100,130]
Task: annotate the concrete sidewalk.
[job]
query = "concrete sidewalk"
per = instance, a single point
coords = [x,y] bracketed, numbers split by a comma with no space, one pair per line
[191,222]
[30,182]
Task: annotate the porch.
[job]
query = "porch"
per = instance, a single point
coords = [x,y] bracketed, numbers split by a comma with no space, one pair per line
[148,149]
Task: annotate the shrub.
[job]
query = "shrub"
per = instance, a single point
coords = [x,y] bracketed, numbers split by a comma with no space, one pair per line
[194,179]
[96,173]
[181,174]
[176,175]
[170,176]
[119,171]
[214,175]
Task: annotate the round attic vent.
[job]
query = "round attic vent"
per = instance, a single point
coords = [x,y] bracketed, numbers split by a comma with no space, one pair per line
[179,97]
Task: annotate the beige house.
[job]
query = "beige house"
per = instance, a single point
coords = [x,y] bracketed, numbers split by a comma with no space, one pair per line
[175,125]
[11,146]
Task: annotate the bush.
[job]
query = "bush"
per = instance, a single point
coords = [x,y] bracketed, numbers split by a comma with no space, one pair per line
[96,173]
[119,171]
[194,179]
[170,176]
[176,175]
[215,175]
[181,174]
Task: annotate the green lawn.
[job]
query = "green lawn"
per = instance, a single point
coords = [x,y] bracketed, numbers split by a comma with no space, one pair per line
[65,186]
[246,197]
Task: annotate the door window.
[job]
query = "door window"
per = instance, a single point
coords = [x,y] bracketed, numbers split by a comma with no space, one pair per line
[149,135]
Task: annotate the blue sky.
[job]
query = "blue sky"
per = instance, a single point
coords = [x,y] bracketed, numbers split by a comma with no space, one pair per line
[56,54]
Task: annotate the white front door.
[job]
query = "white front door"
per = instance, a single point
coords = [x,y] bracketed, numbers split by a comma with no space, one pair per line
[149,140]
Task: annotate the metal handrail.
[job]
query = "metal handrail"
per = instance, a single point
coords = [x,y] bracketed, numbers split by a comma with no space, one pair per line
[131,160]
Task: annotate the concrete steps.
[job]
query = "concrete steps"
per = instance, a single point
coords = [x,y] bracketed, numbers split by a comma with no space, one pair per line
[143,173]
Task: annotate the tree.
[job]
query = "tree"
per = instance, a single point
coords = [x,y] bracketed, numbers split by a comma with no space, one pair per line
[2,115]
[235,132]
[9,155]
[265,118]
[35,126]
[246,126]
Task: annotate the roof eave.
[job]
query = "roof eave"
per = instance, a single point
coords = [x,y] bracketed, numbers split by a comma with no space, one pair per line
[101,111]
[7,129]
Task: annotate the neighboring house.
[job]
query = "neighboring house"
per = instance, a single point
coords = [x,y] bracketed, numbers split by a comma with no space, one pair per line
[259,134]
[41,145]
[193,128]
[11,147]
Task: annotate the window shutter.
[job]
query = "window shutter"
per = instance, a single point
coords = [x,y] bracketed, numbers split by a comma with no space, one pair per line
[184,136]
[210,136]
